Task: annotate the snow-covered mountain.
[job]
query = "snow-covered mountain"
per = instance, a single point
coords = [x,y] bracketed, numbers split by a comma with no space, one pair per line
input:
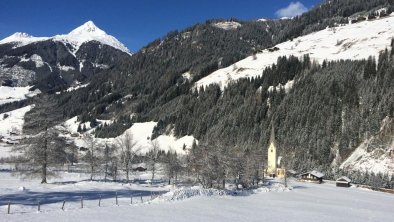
[82,34]
[53,63]
[336,43]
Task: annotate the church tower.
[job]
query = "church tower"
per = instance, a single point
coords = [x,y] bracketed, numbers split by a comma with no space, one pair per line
[272,158]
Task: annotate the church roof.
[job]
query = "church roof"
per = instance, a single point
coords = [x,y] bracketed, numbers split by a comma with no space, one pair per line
[272,137]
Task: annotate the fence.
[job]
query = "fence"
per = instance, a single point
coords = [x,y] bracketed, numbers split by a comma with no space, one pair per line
[117,199]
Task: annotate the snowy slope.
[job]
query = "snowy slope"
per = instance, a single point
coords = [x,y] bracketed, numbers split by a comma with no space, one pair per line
[12,94]
[14,122]
[141,134]
[378,161]
[84,33]
[352,41]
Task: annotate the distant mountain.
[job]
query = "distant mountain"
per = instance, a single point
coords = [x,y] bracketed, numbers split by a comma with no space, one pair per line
[53,63]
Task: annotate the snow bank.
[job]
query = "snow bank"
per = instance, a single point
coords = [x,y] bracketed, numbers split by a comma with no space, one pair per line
[190,192]
[353,41]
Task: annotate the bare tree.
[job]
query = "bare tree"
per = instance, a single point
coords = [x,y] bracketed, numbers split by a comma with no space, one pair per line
[40,153]
[92,155]
[109,158]
[128,151]
[153,157]
[44,147]
[172,166]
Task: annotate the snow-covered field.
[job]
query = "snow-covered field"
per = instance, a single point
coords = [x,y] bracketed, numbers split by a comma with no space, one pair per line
[304,202]
[330,44]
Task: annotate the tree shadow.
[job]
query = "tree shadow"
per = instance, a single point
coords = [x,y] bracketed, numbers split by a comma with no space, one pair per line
[31,198]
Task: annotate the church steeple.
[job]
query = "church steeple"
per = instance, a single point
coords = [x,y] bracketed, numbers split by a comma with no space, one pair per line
[272,138]
[272,158]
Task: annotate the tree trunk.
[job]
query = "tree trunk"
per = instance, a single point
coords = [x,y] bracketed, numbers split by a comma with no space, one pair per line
[153,173]
[44,173]
[127,171]
[91,172]
[45,163]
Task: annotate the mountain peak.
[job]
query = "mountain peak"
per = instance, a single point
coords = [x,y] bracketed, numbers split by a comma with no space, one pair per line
[87,27]
[21,38]
[84,33]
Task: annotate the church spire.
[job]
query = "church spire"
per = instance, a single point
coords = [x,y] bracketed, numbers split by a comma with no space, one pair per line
[272,138]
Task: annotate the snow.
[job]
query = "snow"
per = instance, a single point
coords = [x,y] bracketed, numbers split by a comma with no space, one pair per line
[352,41]
[21,39]
[344,179]
[228,25]
[141,134]
[84,33]
[77,86]
[187,75]
[34,58]
[315,173]
[378,160]
[11,129]
[65,68]
[262,20]
[12,94]
[14,121]
[305,202]
[287,87]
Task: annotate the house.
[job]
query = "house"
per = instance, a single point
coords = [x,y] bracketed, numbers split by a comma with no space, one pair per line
[139,169]
[343,182]
[312,176]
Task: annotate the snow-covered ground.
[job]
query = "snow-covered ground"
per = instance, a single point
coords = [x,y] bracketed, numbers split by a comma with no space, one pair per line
[352,41]
[304,202]
[12,94]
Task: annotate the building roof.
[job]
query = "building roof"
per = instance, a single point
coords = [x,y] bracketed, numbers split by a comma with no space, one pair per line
[315,173]
[344,179]
[272,137]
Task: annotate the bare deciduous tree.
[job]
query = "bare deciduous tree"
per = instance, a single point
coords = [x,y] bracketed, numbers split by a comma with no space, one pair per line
[92,155]
[40,153]
[153,157]
[128,150]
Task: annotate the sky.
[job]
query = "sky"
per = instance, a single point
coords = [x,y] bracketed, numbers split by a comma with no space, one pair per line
[134,22]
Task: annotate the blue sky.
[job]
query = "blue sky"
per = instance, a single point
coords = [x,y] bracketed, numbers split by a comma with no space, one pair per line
[134,23]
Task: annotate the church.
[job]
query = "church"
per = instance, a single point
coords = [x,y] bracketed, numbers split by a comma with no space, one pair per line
[274,168]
